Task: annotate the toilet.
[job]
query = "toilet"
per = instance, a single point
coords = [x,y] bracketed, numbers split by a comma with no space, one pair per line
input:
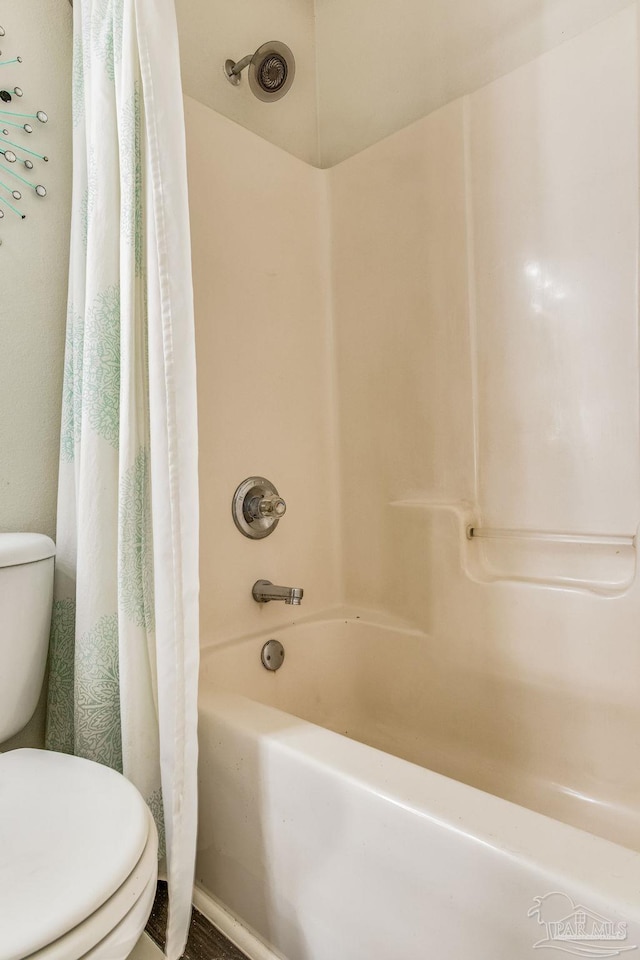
[78,846]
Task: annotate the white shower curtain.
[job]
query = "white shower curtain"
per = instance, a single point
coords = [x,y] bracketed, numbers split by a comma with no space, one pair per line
[124,644]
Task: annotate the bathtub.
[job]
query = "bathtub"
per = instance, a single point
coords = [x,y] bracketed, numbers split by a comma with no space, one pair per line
[335,823]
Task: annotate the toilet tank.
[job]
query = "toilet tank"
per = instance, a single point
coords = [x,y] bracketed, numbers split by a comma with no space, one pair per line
[26,595]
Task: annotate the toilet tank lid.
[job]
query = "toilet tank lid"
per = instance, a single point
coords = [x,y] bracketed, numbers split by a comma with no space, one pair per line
[17,548]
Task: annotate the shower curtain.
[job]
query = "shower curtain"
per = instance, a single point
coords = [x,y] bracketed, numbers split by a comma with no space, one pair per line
[124,642]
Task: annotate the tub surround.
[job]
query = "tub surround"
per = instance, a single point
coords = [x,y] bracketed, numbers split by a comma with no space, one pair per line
[412,344]
[493,249]
[265,370]
[448,320]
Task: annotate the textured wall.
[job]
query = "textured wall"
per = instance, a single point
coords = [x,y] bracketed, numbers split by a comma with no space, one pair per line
[34,266]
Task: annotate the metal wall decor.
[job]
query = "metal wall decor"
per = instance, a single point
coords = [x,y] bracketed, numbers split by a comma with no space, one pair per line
[17,160]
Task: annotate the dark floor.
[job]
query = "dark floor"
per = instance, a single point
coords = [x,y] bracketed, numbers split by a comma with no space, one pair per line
[204,943]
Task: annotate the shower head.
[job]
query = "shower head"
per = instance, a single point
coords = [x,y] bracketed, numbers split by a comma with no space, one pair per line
[271,70]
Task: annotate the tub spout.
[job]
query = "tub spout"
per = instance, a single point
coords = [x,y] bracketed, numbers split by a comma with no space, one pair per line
[264,591]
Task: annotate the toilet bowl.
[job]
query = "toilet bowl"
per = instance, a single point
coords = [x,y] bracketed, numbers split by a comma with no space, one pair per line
[78,859]
[78,845]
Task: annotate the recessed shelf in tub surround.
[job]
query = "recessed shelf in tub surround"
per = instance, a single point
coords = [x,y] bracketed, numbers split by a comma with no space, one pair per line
[547,536]
[601,563]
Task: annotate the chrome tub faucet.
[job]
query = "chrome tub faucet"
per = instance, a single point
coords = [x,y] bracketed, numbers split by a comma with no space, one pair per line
[263,591]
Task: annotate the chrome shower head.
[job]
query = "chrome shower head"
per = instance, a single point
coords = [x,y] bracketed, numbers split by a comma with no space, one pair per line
[271,71]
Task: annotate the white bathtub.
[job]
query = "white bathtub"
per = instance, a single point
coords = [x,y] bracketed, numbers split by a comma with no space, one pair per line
[325,848]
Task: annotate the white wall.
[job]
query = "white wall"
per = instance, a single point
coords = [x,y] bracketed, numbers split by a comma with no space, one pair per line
[34,266]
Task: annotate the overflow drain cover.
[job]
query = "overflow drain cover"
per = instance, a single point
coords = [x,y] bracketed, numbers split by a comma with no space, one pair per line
[272,655]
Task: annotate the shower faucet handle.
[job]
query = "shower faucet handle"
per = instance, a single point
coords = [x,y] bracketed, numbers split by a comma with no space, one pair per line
[257,508]
[273,506]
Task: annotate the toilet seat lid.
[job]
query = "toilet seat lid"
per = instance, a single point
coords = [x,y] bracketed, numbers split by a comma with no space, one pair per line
[19,548]
[71,832]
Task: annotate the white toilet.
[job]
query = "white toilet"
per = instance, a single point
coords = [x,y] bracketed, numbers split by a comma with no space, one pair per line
[78,846]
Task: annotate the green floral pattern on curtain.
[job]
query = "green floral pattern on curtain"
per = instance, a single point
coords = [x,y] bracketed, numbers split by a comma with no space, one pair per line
[97,734]
[60,708]
[136,544]
[102,700]
[106,33]
[101,383]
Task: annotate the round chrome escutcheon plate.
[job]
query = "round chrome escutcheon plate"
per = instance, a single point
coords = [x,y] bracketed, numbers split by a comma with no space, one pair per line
[272,655]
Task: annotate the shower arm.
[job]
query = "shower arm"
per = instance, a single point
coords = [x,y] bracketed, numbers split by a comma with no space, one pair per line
[238,67]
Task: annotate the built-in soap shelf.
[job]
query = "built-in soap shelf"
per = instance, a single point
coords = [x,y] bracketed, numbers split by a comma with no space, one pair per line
[600,563]
[546,536]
